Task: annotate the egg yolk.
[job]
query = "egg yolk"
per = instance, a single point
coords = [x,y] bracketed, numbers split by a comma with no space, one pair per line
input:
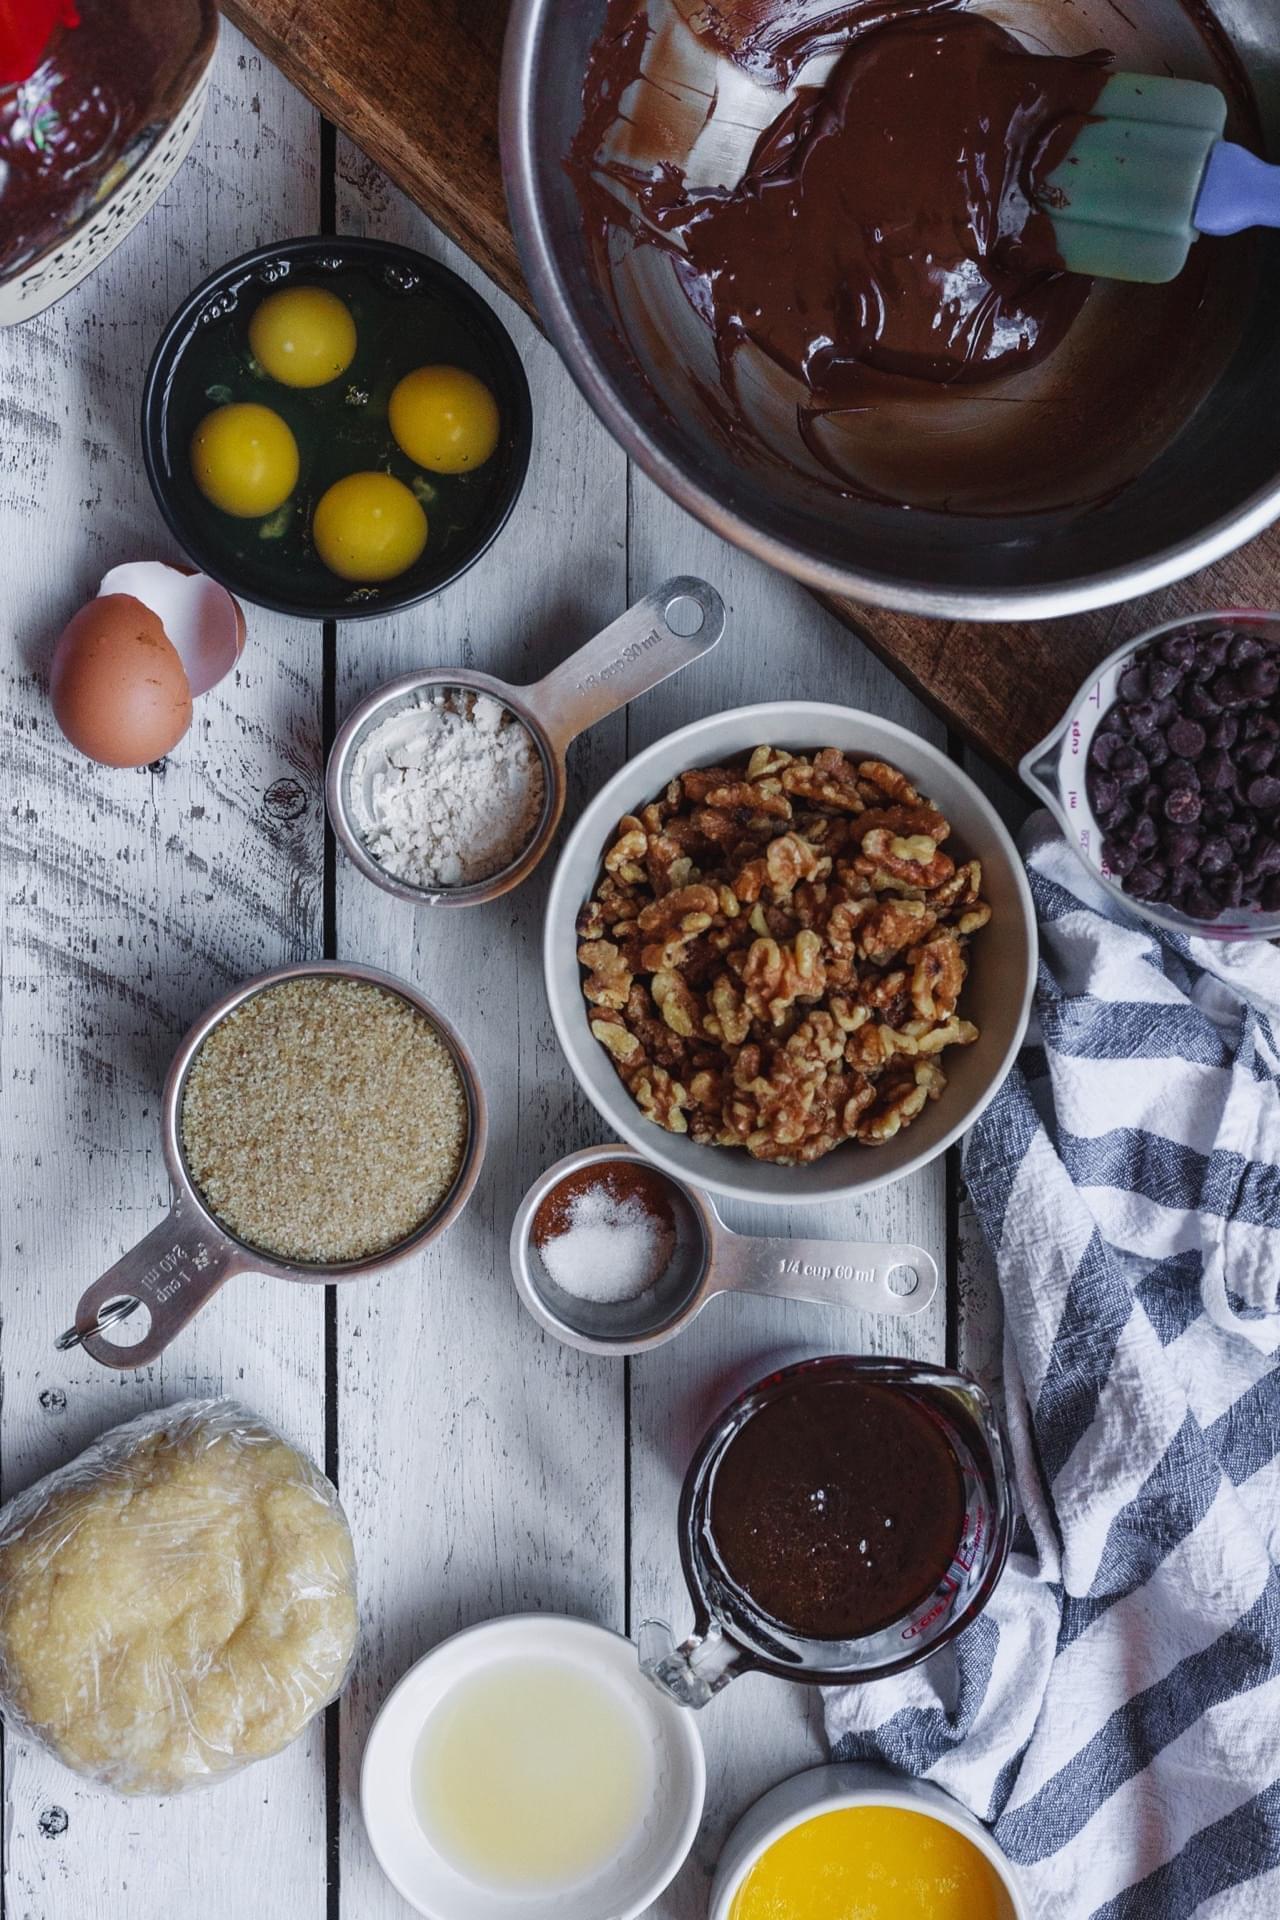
[244,459]
[303,336]
[444,419]
[369,527]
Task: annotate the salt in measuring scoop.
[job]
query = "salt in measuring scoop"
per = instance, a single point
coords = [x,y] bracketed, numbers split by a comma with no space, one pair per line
[653,639]
[708,1258]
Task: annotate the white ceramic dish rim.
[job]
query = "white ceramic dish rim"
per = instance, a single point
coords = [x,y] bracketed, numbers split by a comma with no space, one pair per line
[634,783]
[517,1628]
[826,1796]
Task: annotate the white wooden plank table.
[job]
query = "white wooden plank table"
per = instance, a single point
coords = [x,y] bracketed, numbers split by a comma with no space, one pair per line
[485,1468]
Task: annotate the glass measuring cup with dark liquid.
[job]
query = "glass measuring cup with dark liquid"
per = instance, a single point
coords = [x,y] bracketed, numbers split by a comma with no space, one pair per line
[841,1520]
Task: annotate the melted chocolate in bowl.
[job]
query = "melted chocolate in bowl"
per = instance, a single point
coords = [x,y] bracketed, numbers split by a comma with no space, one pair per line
[838,1508]
[826,216]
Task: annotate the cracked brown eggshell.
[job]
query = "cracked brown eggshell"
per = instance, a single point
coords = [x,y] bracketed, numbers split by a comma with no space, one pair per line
[119,691]
[127,666]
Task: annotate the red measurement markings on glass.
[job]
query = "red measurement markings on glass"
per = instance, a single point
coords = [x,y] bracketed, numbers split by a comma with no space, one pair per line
[971,1545]
[941,1607]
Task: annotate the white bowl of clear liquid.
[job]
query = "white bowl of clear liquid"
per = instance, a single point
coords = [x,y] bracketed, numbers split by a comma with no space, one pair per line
[526,1766]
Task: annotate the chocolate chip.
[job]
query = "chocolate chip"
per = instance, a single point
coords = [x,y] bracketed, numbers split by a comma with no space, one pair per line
[1132,685]
[1225,732]
[1179,650]
[1182,807]
[1229,690]
[1156,748]
[1266,859]
[1162,679]
[1106,795]
[1129,766]
[1217,770]
[1181,846]
[1262,679]
[1104,748]
[1143,834]
[1119,856]
[1263,793]
[1146,883]
[1257,756]
[1238,835]
[1180,773]
[1215,854]
[1145,717]
[1202,703]
[1243,649]
[1186,738]
[1199,902]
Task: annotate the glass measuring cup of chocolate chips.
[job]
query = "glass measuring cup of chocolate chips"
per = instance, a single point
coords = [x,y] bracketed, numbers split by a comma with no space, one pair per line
[1164,775]
[841,1520]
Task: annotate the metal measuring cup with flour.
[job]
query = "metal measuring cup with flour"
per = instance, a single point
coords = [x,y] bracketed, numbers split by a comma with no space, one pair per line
[445,787]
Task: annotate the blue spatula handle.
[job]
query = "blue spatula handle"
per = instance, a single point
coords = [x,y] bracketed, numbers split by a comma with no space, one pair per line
[1238,191]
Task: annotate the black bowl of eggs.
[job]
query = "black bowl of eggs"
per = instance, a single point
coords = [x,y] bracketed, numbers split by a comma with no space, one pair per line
[335,428]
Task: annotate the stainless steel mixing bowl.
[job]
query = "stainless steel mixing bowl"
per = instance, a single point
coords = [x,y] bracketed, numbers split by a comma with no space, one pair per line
[1217,486]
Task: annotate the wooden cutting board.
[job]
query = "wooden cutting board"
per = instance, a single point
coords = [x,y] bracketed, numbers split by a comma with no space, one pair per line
[415,84]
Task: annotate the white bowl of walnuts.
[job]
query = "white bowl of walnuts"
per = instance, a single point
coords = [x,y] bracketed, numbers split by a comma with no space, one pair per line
[790,952]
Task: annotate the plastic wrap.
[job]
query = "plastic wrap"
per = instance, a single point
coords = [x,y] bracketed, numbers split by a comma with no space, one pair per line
[178,1601]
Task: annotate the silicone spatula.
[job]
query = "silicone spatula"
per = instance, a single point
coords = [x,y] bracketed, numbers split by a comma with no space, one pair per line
[1150,173]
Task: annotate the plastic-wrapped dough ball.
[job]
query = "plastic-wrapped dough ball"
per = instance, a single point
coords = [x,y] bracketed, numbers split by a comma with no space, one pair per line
[176,1602]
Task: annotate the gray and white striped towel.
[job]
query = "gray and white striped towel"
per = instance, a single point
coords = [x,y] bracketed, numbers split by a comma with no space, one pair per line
[1116,1711]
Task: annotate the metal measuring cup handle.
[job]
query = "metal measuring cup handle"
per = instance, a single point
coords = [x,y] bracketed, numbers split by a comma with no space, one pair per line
[632,655]
[172,1271]
[842,1273]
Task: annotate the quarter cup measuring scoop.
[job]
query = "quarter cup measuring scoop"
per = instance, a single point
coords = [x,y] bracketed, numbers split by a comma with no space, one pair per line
[653,639]
[708,1259]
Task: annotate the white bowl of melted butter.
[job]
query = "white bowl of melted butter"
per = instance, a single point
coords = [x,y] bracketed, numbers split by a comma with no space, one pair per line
[526,1766]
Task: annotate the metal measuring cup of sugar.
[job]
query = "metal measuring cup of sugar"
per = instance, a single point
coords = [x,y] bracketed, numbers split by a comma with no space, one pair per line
[667,630]
[183,1261]
[708,1258]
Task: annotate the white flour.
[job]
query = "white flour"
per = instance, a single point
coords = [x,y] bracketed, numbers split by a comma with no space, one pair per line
[448,791]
